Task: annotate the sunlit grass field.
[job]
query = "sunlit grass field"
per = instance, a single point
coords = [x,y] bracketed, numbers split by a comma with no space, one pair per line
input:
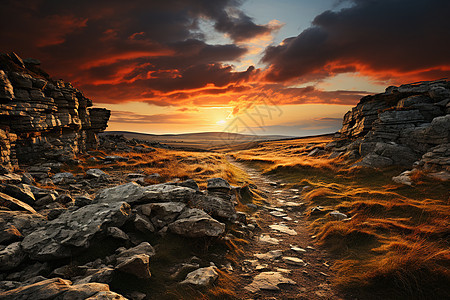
[395,242]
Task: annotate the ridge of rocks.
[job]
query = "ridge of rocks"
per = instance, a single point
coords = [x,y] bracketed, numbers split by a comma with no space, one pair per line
[42,117]
[407,126]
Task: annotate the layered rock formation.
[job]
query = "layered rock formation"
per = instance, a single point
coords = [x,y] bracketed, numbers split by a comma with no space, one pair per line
[407,125]
[42,117]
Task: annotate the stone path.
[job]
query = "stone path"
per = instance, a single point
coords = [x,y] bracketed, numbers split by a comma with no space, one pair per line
[281,261]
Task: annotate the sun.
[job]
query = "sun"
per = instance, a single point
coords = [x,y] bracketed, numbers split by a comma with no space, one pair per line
[221,122]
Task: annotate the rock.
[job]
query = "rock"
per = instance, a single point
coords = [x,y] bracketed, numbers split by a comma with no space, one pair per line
[130,192]
[283,229]
[137,177]
[398,126]
[135,260]
[6,88]
[190,183]
[293,261]
[83,291]
[163,213]
[167,193]
[216,206]
[375,161]
[21,192]
[65,199]
[37,108]
[271,255]
[96,173]
[81,201]
[142,248]
[74,230]
[48,199]
[267,239]
[28,179]
[183,270]
[137,265]
[268,281]
[196,223]
[278,214]
[443,175]
[63,178]
[142,224]
[338,215]
[117,233]
[218,183]
[202,277]
[10,178]
[14,225]
[15,204]
[298,250]
[11,257]
[107,295]
[403,178]
[46,289]
[154,176]
[39,192]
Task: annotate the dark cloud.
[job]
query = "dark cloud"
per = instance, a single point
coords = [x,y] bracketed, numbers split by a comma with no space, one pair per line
[130,49]
[383,38]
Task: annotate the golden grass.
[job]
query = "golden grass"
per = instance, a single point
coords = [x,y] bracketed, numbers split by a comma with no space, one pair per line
[394,245]
[169,164]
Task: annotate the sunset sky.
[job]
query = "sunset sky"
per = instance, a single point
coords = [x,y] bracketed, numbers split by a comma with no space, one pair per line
[290,67]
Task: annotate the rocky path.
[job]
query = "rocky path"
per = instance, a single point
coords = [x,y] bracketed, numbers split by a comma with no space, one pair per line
[281,261]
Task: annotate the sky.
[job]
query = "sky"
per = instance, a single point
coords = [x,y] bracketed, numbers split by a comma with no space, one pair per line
[291,67]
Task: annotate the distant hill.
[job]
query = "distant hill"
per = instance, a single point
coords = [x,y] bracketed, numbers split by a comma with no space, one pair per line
[202,140]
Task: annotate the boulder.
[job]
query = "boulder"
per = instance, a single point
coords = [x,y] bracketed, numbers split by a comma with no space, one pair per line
[202,277]
[137,265]
[143,224]
[11,257]
[167,193]
[196,223]
[117,233]
[216,206]
[42,290]
[135,260]
[130,192]
[83,291]
[14,225]
[74,230]
[218,183]
[162,213]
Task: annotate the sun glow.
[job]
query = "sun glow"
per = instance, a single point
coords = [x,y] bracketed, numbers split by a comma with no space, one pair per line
[221,122]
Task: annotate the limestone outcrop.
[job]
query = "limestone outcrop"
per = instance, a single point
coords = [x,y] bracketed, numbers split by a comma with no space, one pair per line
[406,126]
[41,117]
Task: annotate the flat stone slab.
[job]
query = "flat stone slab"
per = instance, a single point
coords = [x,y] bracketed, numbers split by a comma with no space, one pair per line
[298,250]
[283,229]
[202,277]
[271,255]
[268,281]
[278,214]
[293,260]
[268,239]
